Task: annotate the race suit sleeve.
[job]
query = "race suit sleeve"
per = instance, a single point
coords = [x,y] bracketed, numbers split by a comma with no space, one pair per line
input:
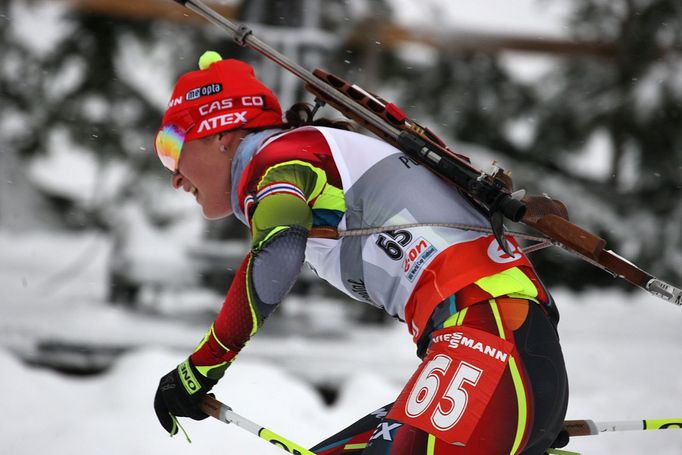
[280,218]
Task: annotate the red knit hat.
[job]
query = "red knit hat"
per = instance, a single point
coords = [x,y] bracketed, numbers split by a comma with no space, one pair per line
[223,95]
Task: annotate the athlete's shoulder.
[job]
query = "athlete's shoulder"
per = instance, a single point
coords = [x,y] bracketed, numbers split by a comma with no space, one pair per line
[301,145]
[312,139]
[305,144]
[297,139]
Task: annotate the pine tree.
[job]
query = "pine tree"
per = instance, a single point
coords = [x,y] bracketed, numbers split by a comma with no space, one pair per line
[94,85]
[635,100]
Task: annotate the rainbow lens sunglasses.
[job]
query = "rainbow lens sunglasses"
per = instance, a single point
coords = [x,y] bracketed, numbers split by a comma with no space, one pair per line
[170,139]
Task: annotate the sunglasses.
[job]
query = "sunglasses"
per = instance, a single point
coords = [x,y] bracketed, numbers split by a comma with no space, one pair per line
[170,139]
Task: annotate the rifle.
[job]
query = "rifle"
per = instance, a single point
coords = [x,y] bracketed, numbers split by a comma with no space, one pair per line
[489,192]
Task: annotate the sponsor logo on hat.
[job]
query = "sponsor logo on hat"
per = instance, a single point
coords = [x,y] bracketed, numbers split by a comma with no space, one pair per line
[175,102]
[206,90]
[212,123]
[231,103]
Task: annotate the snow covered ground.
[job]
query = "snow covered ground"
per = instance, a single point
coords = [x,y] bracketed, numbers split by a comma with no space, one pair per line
[622,353]
[625,366]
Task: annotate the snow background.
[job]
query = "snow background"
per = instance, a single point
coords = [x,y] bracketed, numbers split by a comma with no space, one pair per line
[621,349]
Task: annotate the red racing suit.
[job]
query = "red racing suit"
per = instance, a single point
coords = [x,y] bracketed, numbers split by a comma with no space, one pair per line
[285,184]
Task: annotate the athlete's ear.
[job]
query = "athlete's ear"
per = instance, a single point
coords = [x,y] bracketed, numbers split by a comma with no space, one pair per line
[230,140]
[222,145]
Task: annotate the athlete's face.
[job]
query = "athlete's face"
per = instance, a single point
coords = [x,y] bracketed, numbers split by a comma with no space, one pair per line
[204,170]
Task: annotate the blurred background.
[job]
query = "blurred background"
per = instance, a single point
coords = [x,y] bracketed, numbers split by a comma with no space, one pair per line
[107,275]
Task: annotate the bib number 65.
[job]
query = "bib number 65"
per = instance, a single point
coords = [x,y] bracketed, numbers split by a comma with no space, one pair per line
[452,402]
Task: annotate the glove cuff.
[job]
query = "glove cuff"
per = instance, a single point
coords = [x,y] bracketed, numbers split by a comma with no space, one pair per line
[193,381]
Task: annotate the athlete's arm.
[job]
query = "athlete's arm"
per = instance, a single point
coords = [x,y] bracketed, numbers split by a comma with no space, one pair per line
[280,219]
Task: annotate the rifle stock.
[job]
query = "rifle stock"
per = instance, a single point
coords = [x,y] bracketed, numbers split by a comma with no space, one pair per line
[550,217]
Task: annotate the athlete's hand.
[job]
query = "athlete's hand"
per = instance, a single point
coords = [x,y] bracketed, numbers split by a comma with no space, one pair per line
[561,440]
[179,394]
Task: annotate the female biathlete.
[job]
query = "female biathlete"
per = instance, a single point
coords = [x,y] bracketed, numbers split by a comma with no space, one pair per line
[492,378]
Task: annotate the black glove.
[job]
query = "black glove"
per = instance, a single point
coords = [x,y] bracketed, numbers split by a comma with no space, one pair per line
[179,394]
[561,440]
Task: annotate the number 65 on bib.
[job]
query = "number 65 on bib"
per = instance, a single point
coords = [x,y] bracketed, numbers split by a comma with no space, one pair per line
[450,390]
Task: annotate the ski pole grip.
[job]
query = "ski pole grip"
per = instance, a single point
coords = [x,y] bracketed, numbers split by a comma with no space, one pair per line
[580,428]
[211,406]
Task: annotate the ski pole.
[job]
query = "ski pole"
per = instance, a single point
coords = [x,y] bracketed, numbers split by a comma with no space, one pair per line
[225,414]
[590,427]
[586,427]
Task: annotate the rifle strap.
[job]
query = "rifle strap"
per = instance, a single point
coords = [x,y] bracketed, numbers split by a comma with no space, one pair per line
[327,232]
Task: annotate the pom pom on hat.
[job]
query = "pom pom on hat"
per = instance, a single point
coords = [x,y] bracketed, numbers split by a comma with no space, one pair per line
[208,58]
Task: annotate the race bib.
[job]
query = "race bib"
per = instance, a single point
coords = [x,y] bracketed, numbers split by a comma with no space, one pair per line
[448,393]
